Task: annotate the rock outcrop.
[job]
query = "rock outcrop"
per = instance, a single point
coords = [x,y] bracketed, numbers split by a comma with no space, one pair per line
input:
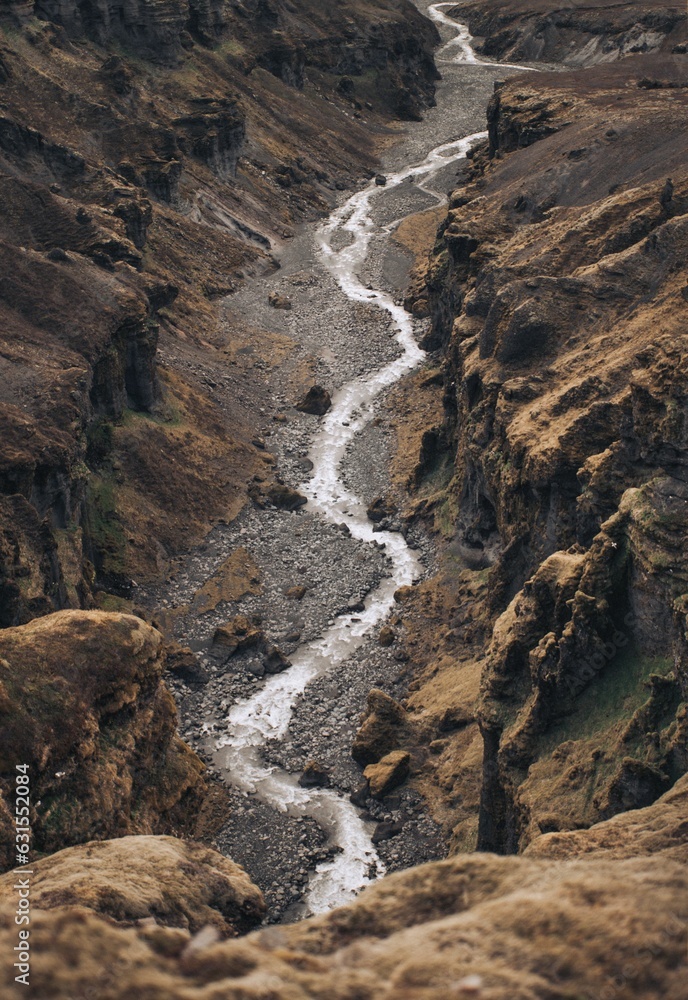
[175,883]
[84,706]
[602,912]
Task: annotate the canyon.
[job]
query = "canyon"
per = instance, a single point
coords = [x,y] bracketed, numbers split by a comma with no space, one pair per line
[345,555]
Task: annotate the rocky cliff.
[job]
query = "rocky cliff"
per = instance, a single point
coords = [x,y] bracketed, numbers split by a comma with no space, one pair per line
[558,290]
[84,706]
[150,156]
[595,913]
[575,34]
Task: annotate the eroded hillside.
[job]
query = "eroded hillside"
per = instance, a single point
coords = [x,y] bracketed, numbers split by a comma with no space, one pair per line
[151,157]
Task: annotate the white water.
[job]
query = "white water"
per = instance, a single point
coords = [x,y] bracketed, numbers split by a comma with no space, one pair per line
[266,715]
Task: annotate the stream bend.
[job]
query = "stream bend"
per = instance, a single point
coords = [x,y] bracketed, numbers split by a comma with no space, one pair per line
[265,716]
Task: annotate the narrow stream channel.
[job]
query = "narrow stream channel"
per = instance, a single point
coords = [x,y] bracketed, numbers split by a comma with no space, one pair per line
[265,716]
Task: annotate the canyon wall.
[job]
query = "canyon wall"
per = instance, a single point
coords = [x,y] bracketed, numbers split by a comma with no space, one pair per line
[150,156]
[574,34]
[557,289]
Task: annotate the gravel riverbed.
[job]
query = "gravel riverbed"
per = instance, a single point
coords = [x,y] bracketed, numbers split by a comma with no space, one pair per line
[339,340]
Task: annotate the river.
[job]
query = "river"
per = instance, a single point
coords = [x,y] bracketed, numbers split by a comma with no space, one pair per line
[343,244]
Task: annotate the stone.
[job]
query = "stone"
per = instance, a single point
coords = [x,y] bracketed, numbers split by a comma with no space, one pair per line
[296,593]
[390,772]
[380,180]
[278,301]
[236,635]
[360,796]
[384,728]
[385,831]
[386,636]
[380,509]
[315,776]
[455,718]
[274,660]
[316,401]
[183,663]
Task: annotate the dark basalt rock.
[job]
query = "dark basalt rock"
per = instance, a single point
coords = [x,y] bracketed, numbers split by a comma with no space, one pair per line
[317,401]
[315,776]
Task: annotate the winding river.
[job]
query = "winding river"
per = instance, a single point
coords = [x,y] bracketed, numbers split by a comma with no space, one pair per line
[266,715]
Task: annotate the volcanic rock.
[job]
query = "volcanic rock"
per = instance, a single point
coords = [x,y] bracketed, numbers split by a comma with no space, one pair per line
[384,728]
[278,301]
[316,401]
[315,776]
[380,509]
[277,495]
[183,663]
[274,660]
[385,831]
[391,771]
[386,636]
[236,635]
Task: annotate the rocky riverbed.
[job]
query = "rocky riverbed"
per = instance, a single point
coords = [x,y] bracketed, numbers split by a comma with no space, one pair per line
[307,571]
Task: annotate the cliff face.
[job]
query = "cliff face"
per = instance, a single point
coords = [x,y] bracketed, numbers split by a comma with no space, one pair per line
[472,926]
[558,292]
[150,155]
[84,705]
[576,34]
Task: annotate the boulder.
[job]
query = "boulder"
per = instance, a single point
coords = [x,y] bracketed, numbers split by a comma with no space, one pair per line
[385,831]
[183,663]
[380,509]
[383,729]
[316,401]
[274,660]
[390,772]
[277,495]
[238,634]
[278,301]
[315,776]
[386,636]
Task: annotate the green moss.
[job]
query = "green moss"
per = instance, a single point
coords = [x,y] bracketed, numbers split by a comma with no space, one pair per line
[617,692]
[98,442]
[109,602]
[103,527]
[446,517]
[231,47]
[167,414]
